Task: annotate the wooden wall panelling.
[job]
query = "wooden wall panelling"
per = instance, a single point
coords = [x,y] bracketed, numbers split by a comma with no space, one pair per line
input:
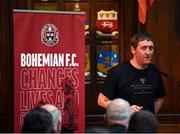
[129,25]
[175,56]
[169,128]
[19,4]
[97,43]
[127,15]
[161,24]
[1,42]
[53,6]
[5,79]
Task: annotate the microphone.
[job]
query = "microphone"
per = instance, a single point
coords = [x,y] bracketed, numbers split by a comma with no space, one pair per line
[170,76]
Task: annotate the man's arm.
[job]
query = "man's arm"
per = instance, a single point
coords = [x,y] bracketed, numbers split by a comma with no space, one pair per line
[157,104]
[103,101]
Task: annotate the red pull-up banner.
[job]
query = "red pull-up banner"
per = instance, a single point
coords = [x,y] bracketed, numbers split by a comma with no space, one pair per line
[49,65]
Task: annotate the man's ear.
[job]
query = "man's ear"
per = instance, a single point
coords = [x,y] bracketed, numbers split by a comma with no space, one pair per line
[132,50]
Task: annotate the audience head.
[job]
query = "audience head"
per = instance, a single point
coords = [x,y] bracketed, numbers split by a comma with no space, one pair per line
[97,130]
[38,120]
[118,112]
[143,122]
[56,115]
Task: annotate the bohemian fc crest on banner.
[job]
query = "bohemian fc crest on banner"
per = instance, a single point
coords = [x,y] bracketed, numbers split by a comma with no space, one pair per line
[107,23]
[49,35]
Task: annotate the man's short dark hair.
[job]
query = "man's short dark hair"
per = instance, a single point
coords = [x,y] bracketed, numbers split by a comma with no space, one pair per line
[38,120]
[143,122]
[140,36]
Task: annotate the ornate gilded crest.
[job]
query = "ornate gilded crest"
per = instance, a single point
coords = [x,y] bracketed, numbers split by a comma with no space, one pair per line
[107,23]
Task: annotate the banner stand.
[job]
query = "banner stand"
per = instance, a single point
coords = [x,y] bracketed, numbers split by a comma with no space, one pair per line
[49,48]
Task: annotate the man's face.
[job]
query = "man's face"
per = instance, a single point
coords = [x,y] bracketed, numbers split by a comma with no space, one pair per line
[143,52]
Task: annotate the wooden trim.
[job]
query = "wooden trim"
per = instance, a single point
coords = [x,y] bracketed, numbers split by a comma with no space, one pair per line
[99,119]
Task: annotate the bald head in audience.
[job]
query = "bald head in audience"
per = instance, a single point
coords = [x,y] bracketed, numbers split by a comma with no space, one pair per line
[56,115]
[118,113]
